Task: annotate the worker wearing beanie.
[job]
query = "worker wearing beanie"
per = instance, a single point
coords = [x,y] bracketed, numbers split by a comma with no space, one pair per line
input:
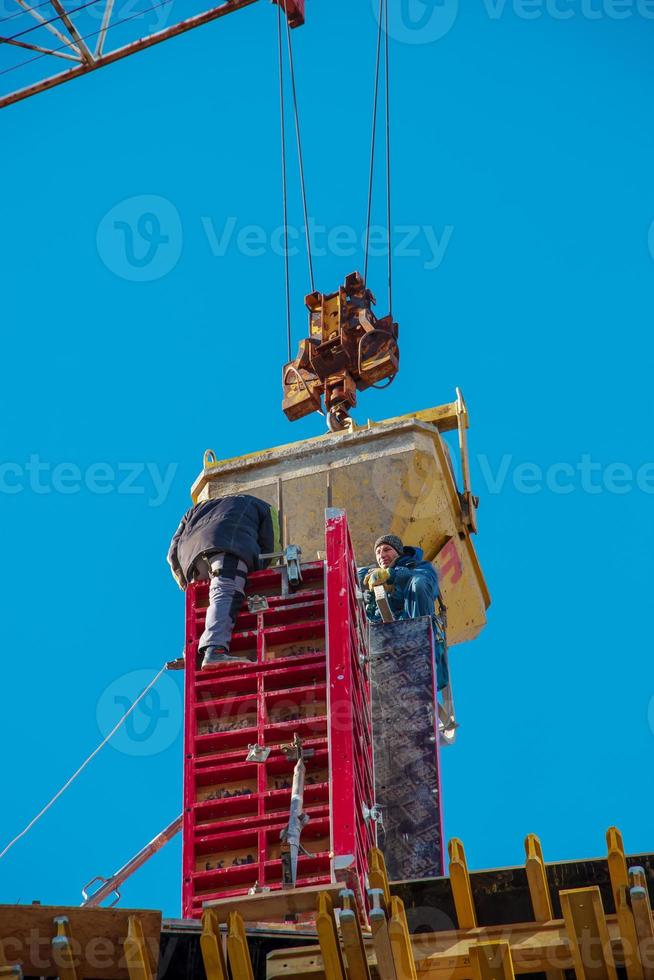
[412,587]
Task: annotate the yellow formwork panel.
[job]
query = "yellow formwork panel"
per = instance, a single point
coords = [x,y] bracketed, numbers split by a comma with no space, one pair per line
[391,477]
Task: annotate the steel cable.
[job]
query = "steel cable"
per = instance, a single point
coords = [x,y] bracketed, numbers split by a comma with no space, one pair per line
[93,754]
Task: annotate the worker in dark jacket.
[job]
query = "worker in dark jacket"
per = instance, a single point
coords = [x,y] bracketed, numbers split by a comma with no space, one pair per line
[412,590]
[222,539]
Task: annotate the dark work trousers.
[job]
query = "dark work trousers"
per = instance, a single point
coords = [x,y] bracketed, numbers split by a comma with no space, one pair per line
[226,594]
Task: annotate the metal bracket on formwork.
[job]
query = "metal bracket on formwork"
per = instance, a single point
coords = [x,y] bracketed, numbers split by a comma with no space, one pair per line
[355,951]
[491,961]
[211,947]
[290,568]
[461,888]
[257,753]
[330,946]
[588,934]
[620,885]
[136,952]
[642,913]
[257,603]
[62,950]
[237,948]
[373,813]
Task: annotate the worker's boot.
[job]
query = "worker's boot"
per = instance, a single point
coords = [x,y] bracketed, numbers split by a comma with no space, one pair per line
[214,656]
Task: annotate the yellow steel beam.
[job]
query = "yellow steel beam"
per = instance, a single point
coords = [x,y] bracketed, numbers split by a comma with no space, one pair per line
[461,889]
[535,948]
[491,961]
[398,930]
[136,952]
[588,934]
[537,878]
[330,946]
[237,948]
[212,947]
[62,950]
[620,886]
[377,874]
[381,938]
[355,951]
[539,889]
[642,913]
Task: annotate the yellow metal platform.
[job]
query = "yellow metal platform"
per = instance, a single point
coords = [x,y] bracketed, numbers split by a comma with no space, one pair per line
[394,477]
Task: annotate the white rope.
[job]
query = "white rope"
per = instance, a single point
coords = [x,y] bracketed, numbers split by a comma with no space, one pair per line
[84,764]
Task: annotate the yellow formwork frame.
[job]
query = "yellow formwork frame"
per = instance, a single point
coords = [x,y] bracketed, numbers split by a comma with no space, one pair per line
[355,951]
[460,882]
[398,930]
[539,889]
[642,913]
[238,952]
[136,953]
[62,950]
[491,961]
[620,886]
[588,934]
[330,945]
[377,874]
[211,947]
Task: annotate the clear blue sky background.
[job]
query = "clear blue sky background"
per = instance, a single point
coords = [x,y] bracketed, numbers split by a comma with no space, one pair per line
[526,146]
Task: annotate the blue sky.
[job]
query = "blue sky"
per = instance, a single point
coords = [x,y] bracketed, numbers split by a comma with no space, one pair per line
[523,152]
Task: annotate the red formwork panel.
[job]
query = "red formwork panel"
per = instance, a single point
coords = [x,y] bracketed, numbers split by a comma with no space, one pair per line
[308,674]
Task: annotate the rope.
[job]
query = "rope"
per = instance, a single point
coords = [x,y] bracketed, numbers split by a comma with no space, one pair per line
[83,766]
[388,166]
[284,179]
[373,142]
[299,153]
[383,26]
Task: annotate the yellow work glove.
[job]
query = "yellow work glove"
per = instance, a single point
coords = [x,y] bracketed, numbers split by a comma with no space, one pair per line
[379,576]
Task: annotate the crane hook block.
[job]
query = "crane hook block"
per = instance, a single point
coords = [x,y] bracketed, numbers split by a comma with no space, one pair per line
[348,350]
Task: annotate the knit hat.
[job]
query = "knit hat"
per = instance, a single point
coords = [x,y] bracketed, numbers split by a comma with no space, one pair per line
[392,540]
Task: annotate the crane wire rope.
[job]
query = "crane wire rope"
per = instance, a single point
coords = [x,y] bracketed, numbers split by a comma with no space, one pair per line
[282,117]
[382,17]
[93,754]
[388,162]
[299,150]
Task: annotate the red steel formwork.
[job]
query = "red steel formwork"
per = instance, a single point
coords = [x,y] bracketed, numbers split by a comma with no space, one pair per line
[308,675]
